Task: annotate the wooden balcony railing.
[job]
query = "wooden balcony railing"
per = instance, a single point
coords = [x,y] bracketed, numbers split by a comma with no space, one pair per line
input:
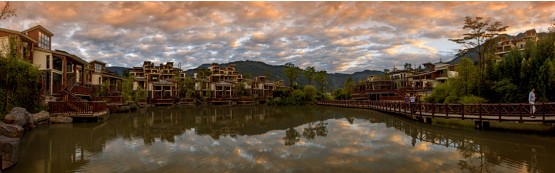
[57,89]
[109,99]
[82,90]
[86,107]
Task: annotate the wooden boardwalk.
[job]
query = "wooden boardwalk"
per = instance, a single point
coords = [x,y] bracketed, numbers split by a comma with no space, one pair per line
[519,112]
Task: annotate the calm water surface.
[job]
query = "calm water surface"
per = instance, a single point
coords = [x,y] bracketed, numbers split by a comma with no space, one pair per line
[276,139]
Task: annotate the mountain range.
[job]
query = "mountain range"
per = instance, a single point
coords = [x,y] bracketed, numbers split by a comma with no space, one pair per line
[251,69]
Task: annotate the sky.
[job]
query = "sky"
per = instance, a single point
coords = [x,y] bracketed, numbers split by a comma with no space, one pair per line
[343,37]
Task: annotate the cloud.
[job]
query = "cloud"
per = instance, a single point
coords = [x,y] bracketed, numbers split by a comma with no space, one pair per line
[334,36]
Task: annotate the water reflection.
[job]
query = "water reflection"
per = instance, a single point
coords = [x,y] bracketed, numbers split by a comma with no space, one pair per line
[282,139]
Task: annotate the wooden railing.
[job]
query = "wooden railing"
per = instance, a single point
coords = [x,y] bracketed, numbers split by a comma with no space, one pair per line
[164,100]
[391,98]
[109,99]
[85,107]
[502,112]
[57,89]
[82,90]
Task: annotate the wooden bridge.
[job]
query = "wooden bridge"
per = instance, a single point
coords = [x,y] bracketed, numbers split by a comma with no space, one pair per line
[516,112]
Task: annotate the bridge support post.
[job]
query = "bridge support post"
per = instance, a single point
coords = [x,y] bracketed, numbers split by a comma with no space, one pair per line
[481,124]
[428,120]
[485,124]
[478,124]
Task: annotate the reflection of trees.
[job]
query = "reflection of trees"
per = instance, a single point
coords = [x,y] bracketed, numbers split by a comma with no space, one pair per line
[64,148]
[321,129]
[309,132]
[291,136]
[351,120]
[480,152]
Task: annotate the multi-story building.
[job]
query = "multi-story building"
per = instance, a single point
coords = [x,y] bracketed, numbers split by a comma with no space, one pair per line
[261,88]
[222,83]
[158,81]
[402,78]
[506,43]
[59,69]
[64,76]
[24,43]
[403,82]
[433,75]
[99,76]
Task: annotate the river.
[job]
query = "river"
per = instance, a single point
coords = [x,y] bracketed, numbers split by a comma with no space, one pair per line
[276,139]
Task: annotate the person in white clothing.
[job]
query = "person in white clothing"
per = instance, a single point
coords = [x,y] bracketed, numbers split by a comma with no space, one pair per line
[532,100]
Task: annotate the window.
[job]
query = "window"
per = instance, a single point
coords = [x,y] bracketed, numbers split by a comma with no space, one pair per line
[47,61]
[69,67]
[44,41]
[97,68]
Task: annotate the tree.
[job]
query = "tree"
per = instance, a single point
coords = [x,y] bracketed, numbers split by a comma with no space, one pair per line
[7,11]
[140,94]
[127,88]
[551,28]
[478,39]
[20,80]
[202,73]
[126,73]
[408,66]
[322,79]
[350,83]
[292,72]
[240,89]
[309,74]
[104,88]
[467,75]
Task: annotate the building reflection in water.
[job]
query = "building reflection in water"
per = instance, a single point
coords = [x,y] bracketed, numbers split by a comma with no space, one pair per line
[69,147]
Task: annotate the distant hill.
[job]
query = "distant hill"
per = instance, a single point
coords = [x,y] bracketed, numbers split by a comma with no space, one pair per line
[118,70]
[275,72]
[251,69]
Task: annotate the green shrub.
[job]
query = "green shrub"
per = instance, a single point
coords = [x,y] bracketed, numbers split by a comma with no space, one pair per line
[451,99]
[341,94]
[471,99]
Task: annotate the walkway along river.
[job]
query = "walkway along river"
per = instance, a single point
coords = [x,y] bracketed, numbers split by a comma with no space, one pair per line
[260,138]
[519,112]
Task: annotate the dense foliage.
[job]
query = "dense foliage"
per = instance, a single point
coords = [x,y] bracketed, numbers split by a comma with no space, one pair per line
[19,82]
[507,81]
[287,96]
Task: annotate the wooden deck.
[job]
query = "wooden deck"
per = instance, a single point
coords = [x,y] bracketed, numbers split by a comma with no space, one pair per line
[78,109]
[515,112]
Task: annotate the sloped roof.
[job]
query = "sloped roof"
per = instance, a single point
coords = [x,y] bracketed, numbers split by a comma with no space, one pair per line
[40,28]
[74,57]
[18,33]
[97,61]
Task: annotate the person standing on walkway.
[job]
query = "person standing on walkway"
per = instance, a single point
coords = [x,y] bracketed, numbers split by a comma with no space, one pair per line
[412,102]
[532,100]
[406,101]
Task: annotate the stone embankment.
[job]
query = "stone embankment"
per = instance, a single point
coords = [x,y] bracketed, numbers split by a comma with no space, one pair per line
[14,126]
